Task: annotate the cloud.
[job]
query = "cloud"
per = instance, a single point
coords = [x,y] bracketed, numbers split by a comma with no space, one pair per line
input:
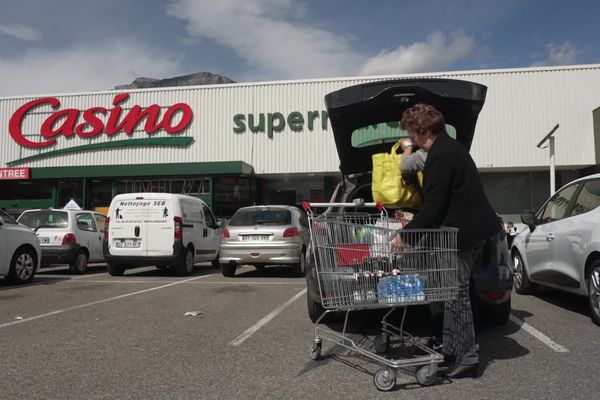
[264,35]
[21,32]
[435,54]
[93,66]
[559,54]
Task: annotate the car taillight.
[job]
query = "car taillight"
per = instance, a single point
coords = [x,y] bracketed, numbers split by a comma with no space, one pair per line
[106,228]
[225,234]
[69,238]
[178,227]
[291,232]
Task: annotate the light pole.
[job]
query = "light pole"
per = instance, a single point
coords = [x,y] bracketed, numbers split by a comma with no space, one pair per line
[550,138]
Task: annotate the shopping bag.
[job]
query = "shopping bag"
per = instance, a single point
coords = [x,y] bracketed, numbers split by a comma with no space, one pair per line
[389,187]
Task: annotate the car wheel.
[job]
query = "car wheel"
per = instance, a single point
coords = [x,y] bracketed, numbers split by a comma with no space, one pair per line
[300,268]
[22,266]
[115,270]
[186,266]
[228,270]
[79,264]
[215,262]
[500,313]
[521,280]
[594,291]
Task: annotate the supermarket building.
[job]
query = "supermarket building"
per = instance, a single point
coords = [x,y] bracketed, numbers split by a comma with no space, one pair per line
[271,142]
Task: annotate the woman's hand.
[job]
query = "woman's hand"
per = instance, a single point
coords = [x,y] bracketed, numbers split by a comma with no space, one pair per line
[397,244]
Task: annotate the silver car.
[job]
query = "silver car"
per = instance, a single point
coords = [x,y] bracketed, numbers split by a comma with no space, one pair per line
[561,246]
[265,235]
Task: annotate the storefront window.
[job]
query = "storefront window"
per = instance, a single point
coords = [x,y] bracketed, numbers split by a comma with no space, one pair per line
[26,190]
[100,194]
[70,190]
[231,193]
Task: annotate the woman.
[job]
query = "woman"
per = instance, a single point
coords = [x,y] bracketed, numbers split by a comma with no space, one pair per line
[452,196]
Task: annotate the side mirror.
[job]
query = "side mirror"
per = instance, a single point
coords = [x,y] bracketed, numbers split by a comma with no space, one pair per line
[1,221]
[219,223]
[528,218]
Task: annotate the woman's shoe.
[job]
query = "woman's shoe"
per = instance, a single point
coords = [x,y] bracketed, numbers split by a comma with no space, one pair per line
[458,371]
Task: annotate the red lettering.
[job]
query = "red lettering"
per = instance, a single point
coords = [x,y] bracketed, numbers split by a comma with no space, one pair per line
[186,117]
[16,122]
[67,128]
[64,122]
[92,121]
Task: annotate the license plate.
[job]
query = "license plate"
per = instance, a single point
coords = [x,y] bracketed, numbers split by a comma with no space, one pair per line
[128,244]
[255,237]
[44,240]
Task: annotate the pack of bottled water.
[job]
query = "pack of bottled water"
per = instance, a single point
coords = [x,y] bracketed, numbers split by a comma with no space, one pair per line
[397,288]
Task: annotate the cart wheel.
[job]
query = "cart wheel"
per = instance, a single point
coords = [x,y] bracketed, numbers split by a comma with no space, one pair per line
[382,343]
[315,351]
[384,380]
[426,376]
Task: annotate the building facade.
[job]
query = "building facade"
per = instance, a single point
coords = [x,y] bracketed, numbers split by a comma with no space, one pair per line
[271,142]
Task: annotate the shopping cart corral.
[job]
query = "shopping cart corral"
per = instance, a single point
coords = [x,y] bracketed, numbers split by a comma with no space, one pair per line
[357,269]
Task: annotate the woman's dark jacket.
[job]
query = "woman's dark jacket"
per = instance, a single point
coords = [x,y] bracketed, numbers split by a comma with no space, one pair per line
[453,195]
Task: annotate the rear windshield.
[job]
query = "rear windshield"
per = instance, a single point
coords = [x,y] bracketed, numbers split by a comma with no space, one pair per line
[384,132]
[261,217]
[45,219]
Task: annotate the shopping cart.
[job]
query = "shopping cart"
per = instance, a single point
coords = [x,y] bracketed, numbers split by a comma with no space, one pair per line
[357,269]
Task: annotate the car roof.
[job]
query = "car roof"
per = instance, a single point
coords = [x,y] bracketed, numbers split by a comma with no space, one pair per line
[372,103]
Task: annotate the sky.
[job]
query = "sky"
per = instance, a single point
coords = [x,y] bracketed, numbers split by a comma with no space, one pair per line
[65,46]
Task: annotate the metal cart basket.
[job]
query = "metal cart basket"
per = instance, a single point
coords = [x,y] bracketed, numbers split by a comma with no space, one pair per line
[358,269]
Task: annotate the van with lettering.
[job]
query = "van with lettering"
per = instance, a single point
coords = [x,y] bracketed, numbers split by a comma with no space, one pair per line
[160,229]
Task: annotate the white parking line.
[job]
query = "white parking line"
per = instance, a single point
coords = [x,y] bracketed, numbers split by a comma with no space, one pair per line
[87,276]
[107,281]
[250,331]
[538,335]
[93,303]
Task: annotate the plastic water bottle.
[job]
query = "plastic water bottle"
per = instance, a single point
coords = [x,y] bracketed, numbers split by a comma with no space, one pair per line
[420,288]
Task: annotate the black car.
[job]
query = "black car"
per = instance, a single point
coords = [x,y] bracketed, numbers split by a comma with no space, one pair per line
[365,121]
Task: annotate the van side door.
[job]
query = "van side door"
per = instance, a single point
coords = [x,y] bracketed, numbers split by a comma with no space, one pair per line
[212,237]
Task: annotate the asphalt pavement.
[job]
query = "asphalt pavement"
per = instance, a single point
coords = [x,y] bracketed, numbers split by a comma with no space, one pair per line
[95,336]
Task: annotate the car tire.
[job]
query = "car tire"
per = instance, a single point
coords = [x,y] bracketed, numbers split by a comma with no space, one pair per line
[593,286]
[215,263]
[115,270]
[299,269]
[79,263]
[22,266]
[228,270]
[185,267]
[499,314]
[522,284]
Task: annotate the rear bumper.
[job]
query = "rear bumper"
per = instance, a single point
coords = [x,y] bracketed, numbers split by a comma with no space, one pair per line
[284,253]
[59,254]
[493,285]
[140,261]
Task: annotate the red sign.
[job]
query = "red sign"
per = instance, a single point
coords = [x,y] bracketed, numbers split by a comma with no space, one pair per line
[12,174]
[65,122]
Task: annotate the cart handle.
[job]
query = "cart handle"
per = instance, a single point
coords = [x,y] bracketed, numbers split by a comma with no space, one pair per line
[358,203]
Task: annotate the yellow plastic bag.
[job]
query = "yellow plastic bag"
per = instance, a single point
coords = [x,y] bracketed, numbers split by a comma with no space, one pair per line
[388,186]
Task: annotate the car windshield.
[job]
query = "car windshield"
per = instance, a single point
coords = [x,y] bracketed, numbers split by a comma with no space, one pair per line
[45,219]
[259,216]
[384,132]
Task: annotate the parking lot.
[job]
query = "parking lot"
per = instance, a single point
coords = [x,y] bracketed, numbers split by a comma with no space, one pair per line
[94,336]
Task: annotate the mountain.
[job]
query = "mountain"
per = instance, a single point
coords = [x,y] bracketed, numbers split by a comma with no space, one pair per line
[199,78]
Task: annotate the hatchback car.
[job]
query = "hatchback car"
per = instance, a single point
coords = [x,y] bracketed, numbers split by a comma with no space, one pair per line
[71,237]
[560,248]
[365,121]
[19,251]
[265,235]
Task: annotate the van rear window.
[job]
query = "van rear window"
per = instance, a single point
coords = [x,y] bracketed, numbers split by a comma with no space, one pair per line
[45,219]
[261,217]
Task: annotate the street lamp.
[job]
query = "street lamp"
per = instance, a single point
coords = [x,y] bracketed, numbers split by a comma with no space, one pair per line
[550,139]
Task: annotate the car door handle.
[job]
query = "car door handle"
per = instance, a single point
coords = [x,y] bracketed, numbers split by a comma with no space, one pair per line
[550,238]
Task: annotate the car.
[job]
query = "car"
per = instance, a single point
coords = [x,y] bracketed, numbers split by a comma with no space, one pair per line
[20,253]
[165,230]
[265,235]
[560,247]
[365,121]
[67,236]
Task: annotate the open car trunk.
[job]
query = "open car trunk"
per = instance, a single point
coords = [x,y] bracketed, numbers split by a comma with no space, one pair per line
[365,118]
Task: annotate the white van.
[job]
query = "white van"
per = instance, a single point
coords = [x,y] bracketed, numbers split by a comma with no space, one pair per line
[160,229]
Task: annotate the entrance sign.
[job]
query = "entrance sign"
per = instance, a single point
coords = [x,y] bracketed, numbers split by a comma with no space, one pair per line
[12,174]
